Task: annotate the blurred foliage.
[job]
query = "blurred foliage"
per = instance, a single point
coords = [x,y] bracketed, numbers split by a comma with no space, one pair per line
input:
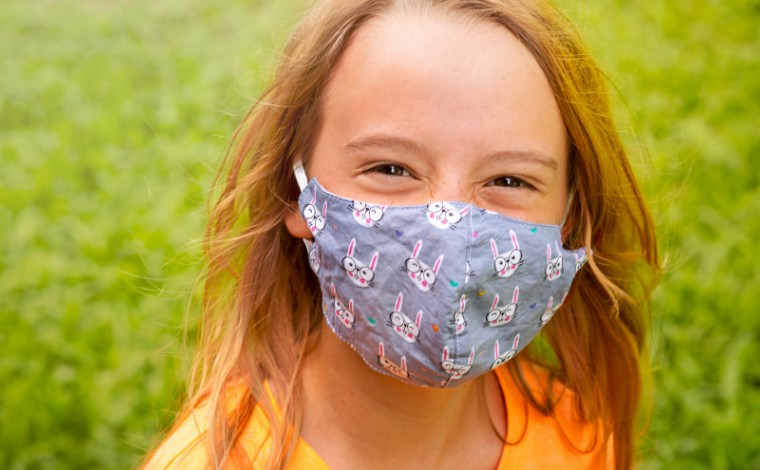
[113,116]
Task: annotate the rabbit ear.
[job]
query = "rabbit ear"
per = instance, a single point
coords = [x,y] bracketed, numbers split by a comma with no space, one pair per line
[549,306]
[351,305]
[495,302]
[437,264]
[515,294]
[399,300]
[515,342]
[332,289]
[403,363]
[351,247]
[496,350]
[472,356]
[464,211]
[416,249]
[381,349]
[548,252]
[445,354]
[513,236]
[373,261]
[494,249]
[418,322]
[462,303]
[313,198]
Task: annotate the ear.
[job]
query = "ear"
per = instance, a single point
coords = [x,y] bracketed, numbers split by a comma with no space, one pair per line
[495,249]
[513,235]
[495,302]
[515,294]
[437,264]
[351,305]
[445,354]
[373,261]
[419,319]
[516,342]
[472,356]
[464,211]
[295,224]
[381,349]
[548,252]
[399,301]
[496,349]
[416,249]
[403,363]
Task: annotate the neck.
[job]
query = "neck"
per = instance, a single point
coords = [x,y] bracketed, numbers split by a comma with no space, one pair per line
[354,415]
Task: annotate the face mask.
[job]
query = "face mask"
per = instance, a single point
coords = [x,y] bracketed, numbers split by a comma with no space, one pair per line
[433,294]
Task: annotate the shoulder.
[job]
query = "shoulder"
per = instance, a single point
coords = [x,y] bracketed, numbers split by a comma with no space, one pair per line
[186,445]
[559,439]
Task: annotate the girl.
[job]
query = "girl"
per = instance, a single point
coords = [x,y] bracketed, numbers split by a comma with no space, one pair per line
[451,166]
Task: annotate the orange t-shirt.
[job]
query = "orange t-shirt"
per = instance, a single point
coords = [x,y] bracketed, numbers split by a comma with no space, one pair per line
[535,441]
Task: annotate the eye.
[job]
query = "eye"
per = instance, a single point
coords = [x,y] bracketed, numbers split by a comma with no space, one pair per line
[549,268]
[390,170]
[412,265]
[559,263]
[308,211]
[447,366]
[493,315]
[349,264]
[385,362]
[396,319]
[319,222]
[510,182]
[453,216]
[499,263]
[375,213]
[435,207]
[412,329]
[359,206]
[366,274]
[515,256]
[429,276]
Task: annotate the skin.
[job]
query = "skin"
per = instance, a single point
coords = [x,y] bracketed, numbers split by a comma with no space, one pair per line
[420,108]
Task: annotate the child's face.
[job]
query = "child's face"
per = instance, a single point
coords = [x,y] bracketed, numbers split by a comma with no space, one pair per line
[425,108]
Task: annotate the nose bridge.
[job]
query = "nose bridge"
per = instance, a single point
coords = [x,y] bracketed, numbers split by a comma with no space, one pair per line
[451,187]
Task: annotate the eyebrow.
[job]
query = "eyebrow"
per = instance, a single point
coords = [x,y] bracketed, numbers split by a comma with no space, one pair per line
[385,141]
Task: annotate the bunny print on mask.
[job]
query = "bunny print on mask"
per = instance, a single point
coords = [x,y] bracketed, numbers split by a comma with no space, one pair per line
[443,215]
[502,315]
[390,366]
[346,316]
[506,264]
[359,273]
[315,220]
[455,371]
[579,261]
[367,215]
[314,258]
[553,266]
[499,359]
[419,272]
[459,321]
[402,324]
[550,311]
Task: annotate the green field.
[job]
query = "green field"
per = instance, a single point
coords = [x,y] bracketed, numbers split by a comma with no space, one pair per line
[114,115]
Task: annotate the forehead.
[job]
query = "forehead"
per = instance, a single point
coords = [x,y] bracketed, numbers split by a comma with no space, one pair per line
[470,78]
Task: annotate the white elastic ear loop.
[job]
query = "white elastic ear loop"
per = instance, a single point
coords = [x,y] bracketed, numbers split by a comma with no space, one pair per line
[302,180]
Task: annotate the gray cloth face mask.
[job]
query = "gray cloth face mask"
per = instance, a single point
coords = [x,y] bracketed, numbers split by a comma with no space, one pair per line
[434,294]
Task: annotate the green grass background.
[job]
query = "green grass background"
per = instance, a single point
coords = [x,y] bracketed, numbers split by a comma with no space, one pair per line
[113,116]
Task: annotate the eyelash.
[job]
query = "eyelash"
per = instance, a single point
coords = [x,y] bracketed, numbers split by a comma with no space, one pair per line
[389,168]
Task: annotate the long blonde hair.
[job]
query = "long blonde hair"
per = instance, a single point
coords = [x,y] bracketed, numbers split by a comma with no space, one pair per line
[261,302]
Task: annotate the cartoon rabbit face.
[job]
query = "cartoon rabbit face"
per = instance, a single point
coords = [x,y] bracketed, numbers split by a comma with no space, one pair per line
[550,311]
[402,324]
[499,359]
[502,315]
[390,366]
[419,272]
[314,258]
[314,219]
[455,371]
[505,264]
[579,261]
[367,215]
[359,273]
[553,266]
[459,321]
[443,215]
[346,315]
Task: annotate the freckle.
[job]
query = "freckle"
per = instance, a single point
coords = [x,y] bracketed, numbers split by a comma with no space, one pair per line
[435,327]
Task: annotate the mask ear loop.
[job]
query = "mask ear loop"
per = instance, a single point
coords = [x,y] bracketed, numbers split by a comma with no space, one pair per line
[302,180]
